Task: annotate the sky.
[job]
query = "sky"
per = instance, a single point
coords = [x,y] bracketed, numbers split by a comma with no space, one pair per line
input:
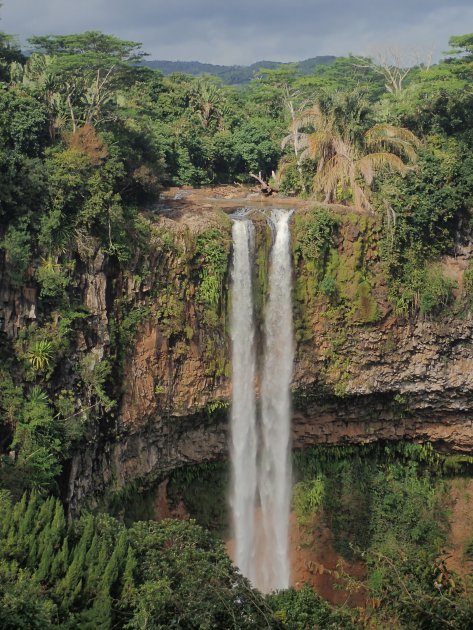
[245,31]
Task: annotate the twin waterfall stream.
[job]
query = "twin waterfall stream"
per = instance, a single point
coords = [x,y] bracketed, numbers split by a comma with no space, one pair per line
[260,448]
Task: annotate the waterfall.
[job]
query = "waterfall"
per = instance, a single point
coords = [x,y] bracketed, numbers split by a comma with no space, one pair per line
[275,463]
[243,415]
[262,537]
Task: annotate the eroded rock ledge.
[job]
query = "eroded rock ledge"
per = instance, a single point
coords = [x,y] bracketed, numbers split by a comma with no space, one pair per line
[422,389]
[367,377]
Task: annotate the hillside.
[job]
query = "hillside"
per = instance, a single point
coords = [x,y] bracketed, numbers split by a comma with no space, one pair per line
[234,75]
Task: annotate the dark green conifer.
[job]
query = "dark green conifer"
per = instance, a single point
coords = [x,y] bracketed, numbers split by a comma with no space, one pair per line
[60,562]
[5,515]
[71,585]
[128,592]
[46,558]
[115,563]
[59,523]
[99,617]
[25,536]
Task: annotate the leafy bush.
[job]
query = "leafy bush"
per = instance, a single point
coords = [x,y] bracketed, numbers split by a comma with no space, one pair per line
[328,286]
[308,498]
[430,206]
[37,440]
[436,291]
[314,234]
[304,610]
[94,374]
[53,280]
[130,323]
[468,279]
[388,505]
[212,259]
[40,354]
[17,246]
[422,288]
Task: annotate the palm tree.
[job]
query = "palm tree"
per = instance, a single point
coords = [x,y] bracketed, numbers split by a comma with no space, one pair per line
[38,78]
[208,101]
[348,156]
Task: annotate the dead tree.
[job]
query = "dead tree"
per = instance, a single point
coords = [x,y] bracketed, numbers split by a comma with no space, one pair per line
[394,64]
[266,189]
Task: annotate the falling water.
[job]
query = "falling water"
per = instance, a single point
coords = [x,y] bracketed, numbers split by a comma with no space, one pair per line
[243,417]
[275,464]
[262,538]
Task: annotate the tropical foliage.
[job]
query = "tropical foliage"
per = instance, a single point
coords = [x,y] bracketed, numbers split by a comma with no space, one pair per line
[349,156]
[96,573]
[89,136]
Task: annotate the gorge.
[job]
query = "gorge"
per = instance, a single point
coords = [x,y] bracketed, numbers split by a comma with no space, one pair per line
[406,378]
[391,378]
[230,405]
[363,377]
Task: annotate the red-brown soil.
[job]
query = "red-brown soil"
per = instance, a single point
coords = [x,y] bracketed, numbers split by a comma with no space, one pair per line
[461,527]
[315,561]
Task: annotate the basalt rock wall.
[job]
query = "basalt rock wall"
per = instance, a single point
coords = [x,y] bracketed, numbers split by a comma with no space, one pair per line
[361,372]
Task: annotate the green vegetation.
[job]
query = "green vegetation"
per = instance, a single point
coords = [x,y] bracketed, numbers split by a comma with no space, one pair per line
[234,75]
[388,506]
[336,272]
[303,609]
[89,136]
[96,573]
[349,155]
[212,257]
[191,484]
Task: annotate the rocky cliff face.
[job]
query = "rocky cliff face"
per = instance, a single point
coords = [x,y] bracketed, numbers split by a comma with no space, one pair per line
[360,375]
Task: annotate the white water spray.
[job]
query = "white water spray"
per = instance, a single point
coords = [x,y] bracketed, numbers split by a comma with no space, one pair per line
[243,417]
[275,464]
[262,538]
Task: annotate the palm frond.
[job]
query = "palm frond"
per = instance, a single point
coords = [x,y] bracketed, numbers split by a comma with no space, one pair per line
[319,142]
[334,172]
[373,162]
[295,137]
[310,117]
[360,199]
[384,135]
[365,167]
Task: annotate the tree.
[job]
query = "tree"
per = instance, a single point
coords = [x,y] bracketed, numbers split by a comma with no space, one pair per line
[89,67]
[185,569]
[10,52]
[207,100]
[394,64]
[348,157]
[462,55]
[293,102]
[38,77]
[462,46]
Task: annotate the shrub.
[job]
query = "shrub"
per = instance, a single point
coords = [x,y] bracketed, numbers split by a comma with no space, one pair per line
[436,291]
[17,245]
[315,232]
[328,286]
[53,280]
[40,354]
[308,497]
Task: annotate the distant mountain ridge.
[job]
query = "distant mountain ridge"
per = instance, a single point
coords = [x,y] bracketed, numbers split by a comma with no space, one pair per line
[234,75]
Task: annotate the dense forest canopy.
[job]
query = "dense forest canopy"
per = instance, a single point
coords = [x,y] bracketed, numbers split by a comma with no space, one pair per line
[89,137]
[233,75]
